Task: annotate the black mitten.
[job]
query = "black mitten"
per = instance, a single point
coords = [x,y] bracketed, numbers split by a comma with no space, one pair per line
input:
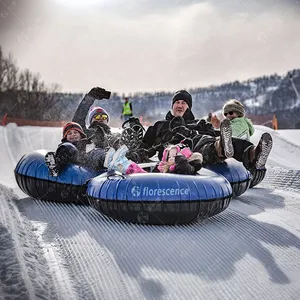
[177,138]
[183,166]
[204,127]
[101,127]
[99,93]
[176,122]
[81,145]
[188,142]
[138,156]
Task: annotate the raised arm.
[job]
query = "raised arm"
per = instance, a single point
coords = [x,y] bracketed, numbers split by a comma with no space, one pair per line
[87,102]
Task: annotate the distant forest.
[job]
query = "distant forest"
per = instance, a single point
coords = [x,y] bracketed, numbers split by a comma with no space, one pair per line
[24,94]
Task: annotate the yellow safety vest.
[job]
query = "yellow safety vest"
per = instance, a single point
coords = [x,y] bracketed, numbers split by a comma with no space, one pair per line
[126,109]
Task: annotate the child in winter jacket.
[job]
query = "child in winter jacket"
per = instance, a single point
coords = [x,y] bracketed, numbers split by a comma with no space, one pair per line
[176,159]
[242,127]
[73,150]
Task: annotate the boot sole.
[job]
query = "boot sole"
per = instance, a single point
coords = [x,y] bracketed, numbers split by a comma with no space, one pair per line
[266,142]
[51,164]
[132,136]
[226,135]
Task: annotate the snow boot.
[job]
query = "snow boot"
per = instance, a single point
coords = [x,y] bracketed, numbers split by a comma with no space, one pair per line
[255,157]
[262,150]
[122,164]
[224,145]
[109,157]
[128,137]
[51,164]
[133,133]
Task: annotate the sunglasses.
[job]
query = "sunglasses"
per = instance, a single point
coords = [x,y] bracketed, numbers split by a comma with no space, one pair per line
[229,113]
[100,117]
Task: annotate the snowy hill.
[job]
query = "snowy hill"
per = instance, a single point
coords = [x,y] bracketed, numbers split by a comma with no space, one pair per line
[55,251]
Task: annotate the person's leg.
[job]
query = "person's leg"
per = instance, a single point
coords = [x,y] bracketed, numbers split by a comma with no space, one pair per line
[95,159]
[56,161]
[216,149]
[255,156]
[66,153]
[206,146]
[240,146]
[122,164]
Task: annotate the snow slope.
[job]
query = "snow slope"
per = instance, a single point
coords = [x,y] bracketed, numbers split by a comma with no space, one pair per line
[60,251]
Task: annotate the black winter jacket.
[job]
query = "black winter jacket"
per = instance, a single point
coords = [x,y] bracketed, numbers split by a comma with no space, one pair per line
[158,135]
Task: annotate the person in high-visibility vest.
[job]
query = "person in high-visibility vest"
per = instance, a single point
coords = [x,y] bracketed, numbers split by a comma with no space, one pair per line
[275,122]
[127,110]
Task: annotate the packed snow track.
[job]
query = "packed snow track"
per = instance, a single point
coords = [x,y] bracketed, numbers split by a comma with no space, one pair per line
[59,251]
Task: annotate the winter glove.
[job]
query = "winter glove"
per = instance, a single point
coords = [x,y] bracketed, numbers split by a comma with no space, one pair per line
[177,138]
[81,145]
[188,142]
[196,160]
[138,156]
[183,166]
[205,128]
[100,136]
[176,122]
[99,93]
[101,128]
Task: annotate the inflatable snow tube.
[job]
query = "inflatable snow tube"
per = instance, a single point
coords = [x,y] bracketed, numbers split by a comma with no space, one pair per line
[257,176]
[34,180]
[159,199]
[235,173]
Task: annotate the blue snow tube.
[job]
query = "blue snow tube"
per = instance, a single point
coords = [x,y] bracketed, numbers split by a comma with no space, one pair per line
[235,173]
[34,180]
[156,198]
[258,176]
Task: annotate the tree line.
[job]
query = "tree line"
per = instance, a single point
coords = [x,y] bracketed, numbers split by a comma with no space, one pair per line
[25,95]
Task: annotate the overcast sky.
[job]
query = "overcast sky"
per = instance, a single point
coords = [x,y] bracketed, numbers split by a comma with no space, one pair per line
[151,46]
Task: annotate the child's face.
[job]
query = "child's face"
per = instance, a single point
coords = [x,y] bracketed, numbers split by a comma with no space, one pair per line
[73,136]
[231,115]
[172,154]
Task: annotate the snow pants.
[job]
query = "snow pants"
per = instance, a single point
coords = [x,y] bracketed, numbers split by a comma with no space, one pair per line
[205,144]
[67,153]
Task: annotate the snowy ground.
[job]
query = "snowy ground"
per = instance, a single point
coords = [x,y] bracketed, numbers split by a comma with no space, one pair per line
[55,251]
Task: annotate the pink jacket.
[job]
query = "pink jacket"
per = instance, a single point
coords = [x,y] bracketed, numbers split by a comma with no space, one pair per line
[181,150]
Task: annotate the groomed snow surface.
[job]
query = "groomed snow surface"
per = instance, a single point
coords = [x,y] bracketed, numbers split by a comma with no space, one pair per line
[59,251]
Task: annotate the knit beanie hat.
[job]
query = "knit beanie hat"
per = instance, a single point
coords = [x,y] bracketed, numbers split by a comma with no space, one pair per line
[235,106]
[183,95]
[72,126]
[97,110]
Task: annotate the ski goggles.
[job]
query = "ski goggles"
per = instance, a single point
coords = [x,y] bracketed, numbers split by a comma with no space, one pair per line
[100,117]
[229,113]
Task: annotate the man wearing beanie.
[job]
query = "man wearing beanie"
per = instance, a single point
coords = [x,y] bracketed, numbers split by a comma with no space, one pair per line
[184,96]
[215,146]
[161,132]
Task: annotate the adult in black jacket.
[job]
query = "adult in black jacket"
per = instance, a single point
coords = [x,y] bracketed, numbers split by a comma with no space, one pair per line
[162,132]
[215,146]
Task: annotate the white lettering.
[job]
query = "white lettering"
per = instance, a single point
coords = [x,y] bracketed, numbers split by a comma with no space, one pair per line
[136,191]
